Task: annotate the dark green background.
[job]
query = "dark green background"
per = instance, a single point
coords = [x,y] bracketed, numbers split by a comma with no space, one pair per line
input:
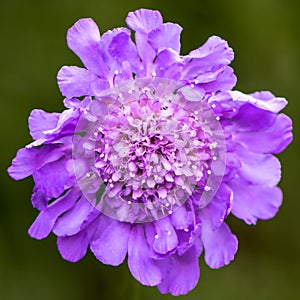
[265,37]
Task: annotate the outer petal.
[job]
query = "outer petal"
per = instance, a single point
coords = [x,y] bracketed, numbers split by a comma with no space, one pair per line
[252,202]
[274,104]
[29,160]
[74,248]
[142,267]
[215,52]
[180,273]
[40,121]
[144,20]
[165,36]
[271,140]
[45,221]
[52,179]
[220,244]
[111,247]
[166,238]
[75,219]
[77,82]
[258,168]
[83,38]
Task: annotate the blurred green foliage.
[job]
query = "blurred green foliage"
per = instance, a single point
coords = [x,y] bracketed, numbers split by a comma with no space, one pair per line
[265,37]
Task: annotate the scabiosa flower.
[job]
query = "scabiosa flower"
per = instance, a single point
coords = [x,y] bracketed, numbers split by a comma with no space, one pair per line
[152,153]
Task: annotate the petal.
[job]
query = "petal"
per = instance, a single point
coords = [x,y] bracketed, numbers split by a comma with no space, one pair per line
[29,160]
[45,221]
[166,238]
[271,140]
[215,52]
[225,81]
[76,219]
[83,38]
[142,267]
[40,121]
[181,218]
[252,118]
[122,48]
[52,179]
[73,248]
[77,82]
[39,200]
[258,168]
[220,244]
[144,20]
[165,36]
[252,202]
[180,273]
[274,104]
[111,247]
[219,207]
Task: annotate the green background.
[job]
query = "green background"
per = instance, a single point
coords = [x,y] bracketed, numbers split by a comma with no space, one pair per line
[265,37]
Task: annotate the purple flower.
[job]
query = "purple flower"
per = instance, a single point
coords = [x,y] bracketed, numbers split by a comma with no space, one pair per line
[152,154]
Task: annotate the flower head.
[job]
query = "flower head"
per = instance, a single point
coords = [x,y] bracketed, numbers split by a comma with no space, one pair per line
[152,153]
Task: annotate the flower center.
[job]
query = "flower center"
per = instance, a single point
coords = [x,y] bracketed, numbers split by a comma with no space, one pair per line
[148,148]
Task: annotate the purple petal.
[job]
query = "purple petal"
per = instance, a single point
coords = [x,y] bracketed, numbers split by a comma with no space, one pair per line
[252,118]
[180,273]
[45,221]
[268,165]
[181,218]
[252,202]
[165,36]
[271,140]
[218,209]
[29,160]
[39,121]
[111,247]
[215,52]
[225,81]
[83,38]
[274,104]
[39,200]
[144,20]
[142,267]
[77,82]
[166,238]
[123,49]
[73,248]
[76,219]
[220,244]
[52,179]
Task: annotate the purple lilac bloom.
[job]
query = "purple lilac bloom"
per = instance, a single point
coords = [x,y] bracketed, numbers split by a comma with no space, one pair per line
[152,153]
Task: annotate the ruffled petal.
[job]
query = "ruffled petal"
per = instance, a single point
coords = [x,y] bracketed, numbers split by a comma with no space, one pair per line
[73,248]
[112,245]
[214,53]
[220,245]
[271,140]
[144,20]
[52,179]
[165,36]
[83,39]
[273,104]
[76,218]
[29,160]
[252,202]
[39,200]
[180,273]
[259,168]
[39,121]
[45,221]
[77,82]
[166,238]
[142,267]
